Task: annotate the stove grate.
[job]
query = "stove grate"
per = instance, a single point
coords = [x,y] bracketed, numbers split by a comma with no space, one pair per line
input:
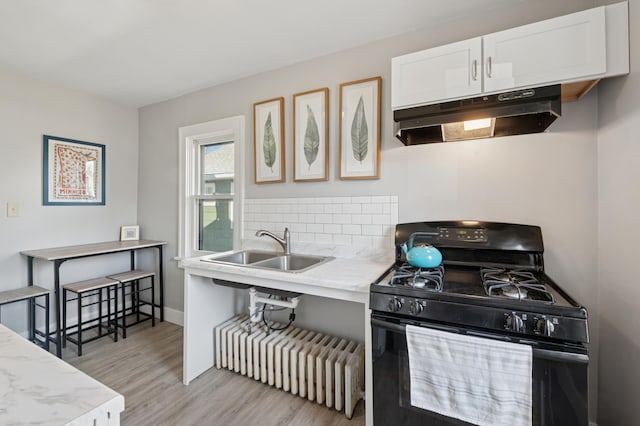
[514,284]
[427,278]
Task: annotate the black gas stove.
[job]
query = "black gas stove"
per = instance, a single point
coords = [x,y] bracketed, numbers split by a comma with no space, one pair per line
[492,277]
[491,286]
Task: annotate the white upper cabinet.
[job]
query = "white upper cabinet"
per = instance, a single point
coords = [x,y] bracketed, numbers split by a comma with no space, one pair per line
[556,50]
[445,72]
[582,46]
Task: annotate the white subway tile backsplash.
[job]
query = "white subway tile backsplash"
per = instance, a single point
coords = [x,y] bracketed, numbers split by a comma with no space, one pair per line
[355,208]
[352,229]
[342,239]
[323,238]
[361,240]
[305,237]
[307,218]
[361,200]
[373,208]
[342,218]
[298,227]
[372,230]
[339,200]
[315,227]
[381,219]
[332,229]
[362,221]
[380,199]
[290,218]
[324,218]
[333,208]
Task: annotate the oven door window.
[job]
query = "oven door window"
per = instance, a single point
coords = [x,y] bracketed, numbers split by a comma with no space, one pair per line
[559,382]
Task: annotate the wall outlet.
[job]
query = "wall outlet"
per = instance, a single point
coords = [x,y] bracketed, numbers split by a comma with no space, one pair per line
[13,209]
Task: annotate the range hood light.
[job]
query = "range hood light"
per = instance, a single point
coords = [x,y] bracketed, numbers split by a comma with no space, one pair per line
[514,113]
[472,129]
[478,124]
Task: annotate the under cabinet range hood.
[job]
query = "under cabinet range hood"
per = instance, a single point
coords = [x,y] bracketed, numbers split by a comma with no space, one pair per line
[510,113]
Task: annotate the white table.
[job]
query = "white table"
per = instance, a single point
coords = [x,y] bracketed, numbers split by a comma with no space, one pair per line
[38,388]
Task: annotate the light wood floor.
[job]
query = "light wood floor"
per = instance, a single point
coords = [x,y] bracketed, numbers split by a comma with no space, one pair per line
[147,369]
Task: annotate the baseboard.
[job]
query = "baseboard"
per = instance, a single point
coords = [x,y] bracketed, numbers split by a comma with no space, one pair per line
[170,315]
[174,316]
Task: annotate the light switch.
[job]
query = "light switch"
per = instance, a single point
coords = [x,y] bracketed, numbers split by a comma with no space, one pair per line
[13,209]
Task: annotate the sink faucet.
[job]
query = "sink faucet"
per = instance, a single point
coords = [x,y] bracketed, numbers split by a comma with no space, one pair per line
[284,242]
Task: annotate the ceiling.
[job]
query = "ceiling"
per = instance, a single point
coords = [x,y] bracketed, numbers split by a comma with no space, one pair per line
[139,52]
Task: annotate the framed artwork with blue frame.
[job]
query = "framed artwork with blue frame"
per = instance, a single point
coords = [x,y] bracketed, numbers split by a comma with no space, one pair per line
[72,172]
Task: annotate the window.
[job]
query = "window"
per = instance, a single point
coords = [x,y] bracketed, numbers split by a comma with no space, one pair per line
[211,187]
[215,196]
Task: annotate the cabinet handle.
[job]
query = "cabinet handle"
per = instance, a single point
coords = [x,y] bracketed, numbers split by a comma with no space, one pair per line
[489,66]
[474,70]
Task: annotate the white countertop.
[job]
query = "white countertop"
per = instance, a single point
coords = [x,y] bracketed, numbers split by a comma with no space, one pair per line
[36,388]
[341,278]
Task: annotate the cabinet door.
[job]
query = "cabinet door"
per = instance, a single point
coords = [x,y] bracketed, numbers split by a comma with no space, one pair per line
[444,72]
[570,47]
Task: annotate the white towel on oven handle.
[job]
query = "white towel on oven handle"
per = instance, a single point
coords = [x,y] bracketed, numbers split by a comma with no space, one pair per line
[477,380]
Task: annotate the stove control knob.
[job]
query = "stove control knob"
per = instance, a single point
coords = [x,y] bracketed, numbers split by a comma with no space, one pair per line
[514,323]
[415,307]
[544,326]
[394,304]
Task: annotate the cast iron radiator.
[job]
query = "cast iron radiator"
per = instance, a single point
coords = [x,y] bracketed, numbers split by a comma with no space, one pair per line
[313,365]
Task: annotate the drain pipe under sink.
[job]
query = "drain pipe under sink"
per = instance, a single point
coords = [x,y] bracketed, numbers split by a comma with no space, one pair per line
[255,314]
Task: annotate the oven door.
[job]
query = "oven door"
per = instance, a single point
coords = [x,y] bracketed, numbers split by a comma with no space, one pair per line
[560,389]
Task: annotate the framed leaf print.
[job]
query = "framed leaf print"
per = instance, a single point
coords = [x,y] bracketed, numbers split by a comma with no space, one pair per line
[311,136]
[359,136]
[268,140]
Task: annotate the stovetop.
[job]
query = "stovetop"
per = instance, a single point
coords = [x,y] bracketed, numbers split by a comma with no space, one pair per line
[464,284]
[492,277]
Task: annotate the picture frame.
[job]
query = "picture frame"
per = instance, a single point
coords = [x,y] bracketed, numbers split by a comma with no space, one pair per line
[73,172]
[268,140]
[359,129]
[129,232]
[311,136]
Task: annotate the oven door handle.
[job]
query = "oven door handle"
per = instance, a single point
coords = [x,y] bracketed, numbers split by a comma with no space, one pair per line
[538,353]
[400,328]
[560,356]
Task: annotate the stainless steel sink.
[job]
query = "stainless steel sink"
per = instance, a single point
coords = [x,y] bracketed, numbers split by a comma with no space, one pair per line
[242,257]
[270,260]
[292,262]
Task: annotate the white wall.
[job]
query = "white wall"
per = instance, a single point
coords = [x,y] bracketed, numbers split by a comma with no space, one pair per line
[545,179]
[29,109]
[618,236]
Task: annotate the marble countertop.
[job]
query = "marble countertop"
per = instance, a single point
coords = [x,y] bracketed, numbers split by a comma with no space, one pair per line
[340,278]
[36,388]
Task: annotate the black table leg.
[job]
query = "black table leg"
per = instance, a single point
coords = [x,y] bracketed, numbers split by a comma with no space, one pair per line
[56,306]
[32,308]
[161,283]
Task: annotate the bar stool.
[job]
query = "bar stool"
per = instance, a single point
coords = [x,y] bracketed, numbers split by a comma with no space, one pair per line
[130,280]
[84,290]
[30,294]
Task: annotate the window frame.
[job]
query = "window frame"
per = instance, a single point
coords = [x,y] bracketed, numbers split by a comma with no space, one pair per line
[191,139]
